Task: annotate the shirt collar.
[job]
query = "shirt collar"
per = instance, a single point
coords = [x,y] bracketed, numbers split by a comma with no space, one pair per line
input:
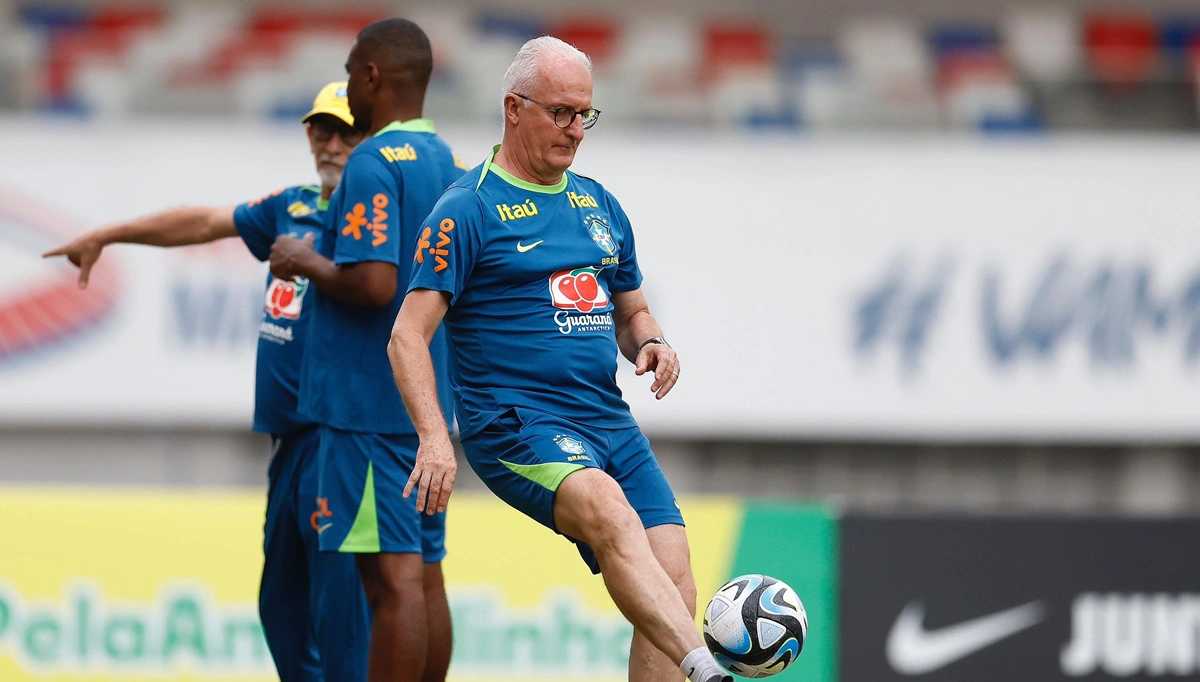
[416,125]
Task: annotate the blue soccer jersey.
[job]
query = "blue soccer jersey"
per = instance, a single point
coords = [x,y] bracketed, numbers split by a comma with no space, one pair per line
[297,211]
[390,183]
[531,271]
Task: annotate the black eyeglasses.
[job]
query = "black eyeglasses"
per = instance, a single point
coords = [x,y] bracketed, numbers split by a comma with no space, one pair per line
[565,116]
[322,131]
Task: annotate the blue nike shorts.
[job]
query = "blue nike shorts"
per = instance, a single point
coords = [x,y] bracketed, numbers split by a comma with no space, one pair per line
[524,455]
[362,484]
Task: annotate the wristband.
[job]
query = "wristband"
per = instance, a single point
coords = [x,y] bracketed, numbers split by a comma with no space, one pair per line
[653,339]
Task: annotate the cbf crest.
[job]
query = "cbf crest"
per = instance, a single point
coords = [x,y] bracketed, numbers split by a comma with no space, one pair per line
[597,227]
[569,445]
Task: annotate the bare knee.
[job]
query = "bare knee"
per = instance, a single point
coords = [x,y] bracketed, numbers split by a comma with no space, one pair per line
[391,579]
[590,506]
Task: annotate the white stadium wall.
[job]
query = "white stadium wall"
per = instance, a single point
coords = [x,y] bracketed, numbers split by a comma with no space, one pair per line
[869,288]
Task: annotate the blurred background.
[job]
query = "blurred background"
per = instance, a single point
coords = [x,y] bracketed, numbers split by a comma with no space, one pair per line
[931,267]
[865,65]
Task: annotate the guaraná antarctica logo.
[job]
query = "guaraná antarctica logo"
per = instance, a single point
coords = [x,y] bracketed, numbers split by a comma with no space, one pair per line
[285,299]
[582,301]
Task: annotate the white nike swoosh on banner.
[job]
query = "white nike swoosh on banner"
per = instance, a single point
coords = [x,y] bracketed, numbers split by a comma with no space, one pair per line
[913,650]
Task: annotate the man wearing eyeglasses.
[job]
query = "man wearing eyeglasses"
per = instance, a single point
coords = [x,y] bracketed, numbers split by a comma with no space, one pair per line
[534,270]
[314,612]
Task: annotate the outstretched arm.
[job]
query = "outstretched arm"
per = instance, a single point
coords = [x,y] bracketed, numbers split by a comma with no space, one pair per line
[640,339]
[412,365]
[174,227]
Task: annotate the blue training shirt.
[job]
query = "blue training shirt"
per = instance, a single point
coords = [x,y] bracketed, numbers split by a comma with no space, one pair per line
[390,183]
[531,271]
[297,211]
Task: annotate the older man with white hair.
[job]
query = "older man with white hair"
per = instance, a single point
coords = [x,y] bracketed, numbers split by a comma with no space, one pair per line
[534,270]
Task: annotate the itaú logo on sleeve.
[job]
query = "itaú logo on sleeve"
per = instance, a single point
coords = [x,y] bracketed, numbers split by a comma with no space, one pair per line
[578,290]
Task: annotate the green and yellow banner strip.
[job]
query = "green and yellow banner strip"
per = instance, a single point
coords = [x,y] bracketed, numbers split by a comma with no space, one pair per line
[119,584]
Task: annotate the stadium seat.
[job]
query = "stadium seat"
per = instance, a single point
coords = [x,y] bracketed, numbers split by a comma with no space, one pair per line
[1043,44]
[452,36]
[285,91]
[741,78]
[20,54]
[658,63]
[948,39]
[481,72]
[979,90]
[736,47]
[509,25]
[165,67]
[125,20]
[890,63]
[99,40]
[1097,68]
[596,36]
[1122,47]
[42,17]
[817,84]
[1180,36]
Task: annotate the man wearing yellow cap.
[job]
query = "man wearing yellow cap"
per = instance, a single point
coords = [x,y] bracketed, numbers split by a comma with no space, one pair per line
[313,608]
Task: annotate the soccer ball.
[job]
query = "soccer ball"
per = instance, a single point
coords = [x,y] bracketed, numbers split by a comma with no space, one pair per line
[755,626]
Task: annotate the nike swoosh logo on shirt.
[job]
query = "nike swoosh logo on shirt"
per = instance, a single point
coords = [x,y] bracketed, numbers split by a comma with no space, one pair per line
[913,650]
[523,248]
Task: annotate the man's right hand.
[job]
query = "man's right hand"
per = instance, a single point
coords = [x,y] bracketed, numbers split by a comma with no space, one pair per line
[433,475]
[83,252]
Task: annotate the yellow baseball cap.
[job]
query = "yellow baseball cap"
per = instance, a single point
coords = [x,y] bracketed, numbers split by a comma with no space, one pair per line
[331,100]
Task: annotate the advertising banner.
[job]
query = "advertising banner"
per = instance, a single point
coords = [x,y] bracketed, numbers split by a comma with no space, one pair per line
[102,584]
[105,584]
[935,599]
[957,290]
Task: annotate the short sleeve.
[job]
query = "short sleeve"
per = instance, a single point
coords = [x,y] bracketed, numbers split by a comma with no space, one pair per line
[369,227]
[450,242]
[628,276]
[256,222]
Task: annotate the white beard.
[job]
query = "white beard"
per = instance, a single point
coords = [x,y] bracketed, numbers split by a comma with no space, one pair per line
[329,177]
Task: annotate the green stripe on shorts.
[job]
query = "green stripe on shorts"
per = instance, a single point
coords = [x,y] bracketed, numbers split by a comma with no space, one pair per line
[363,537]
[549,475]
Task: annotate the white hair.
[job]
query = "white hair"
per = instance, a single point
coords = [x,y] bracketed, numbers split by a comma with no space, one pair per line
[522,75]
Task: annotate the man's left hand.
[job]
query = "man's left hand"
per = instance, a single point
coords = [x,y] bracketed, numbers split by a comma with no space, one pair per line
[664,362]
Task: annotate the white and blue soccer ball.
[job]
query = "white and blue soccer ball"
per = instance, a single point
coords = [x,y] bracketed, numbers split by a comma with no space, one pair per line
[755,626]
